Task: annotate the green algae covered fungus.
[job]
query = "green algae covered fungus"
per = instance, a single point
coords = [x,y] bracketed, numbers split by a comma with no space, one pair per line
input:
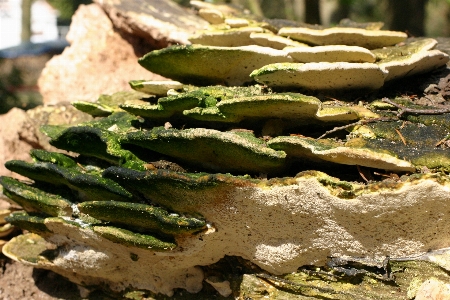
[254,154]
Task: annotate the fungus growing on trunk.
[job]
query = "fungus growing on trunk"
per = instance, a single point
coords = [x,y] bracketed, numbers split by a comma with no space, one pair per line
[174,179]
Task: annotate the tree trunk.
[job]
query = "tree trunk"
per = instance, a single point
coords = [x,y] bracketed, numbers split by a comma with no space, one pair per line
[26,21]
[408,15]
[342,11]
[274,9]
[255,7]
[289,9]
[312,12]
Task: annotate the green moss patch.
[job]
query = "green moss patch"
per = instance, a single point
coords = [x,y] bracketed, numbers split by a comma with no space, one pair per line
[211,149]
[33,199]
[98,138]
[88,186]
[132,239]
[28,222]
[59,159]
[415,142]
[180,192]
[142,216]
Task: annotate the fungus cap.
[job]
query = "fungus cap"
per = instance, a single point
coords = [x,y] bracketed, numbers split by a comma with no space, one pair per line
[233,37]
[237,22]
[203,65]
[213,16]
[369,39]
[318,149]
[421,62]
[158,88]
[321,76]
[331,53]
[274,41]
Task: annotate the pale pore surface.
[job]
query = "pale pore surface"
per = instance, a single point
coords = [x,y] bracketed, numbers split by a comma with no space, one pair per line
[333,53]
[278,228]
[370,39]
[416,63]
[321,75]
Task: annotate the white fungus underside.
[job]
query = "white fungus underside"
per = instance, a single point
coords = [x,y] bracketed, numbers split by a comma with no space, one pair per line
[322,75]
[278,228]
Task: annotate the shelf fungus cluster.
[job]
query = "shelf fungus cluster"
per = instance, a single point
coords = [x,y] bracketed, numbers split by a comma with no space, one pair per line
[240,157]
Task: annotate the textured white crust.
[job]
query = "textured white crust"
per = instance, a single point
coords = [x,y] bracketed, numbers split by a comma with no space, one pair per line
[279,228]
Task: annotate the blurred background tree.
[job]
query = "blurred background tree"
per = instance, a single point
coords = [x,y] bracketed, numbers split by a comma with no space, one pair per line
[21,66]
[416,17]
[65,9]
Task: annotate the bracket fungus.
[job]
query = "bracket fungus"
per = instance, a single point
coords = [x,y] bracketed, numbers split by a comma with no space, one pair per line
[170,183]
[321,76]
[370,39]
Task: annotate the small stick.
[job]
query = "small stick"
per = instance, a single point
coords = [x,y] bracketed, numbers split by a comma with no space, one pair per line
[361,173]
[294,284]
[401,136]
[443,140]
[402,110]
[81,166]
[281,281]
[413,111]
[338,128]
[360,122]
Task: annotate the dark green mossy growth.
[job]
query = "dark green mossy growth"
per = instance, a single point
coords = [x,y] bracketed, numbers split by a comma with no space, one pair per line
[177,191]
[333,151]
[421,144]
[132,239]
[107,104]
[442,120]
[235,104]
[191,98]
[33,199]
[342,189]
[99,139]
[211,149]
[53,157]
[88,186]
[141,216]
[28,222]
[167,106]
[88,141]
[289,106]
[210,114]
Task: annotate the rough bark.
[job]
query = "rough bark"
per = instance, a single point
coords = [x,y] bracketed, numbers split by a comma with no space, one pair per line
[407,15]
[312,12]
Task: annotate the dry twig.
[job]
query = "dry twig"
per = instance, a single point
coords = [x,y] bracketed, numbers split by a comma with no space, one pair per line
[413,111]
[360,122]
[402,110]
